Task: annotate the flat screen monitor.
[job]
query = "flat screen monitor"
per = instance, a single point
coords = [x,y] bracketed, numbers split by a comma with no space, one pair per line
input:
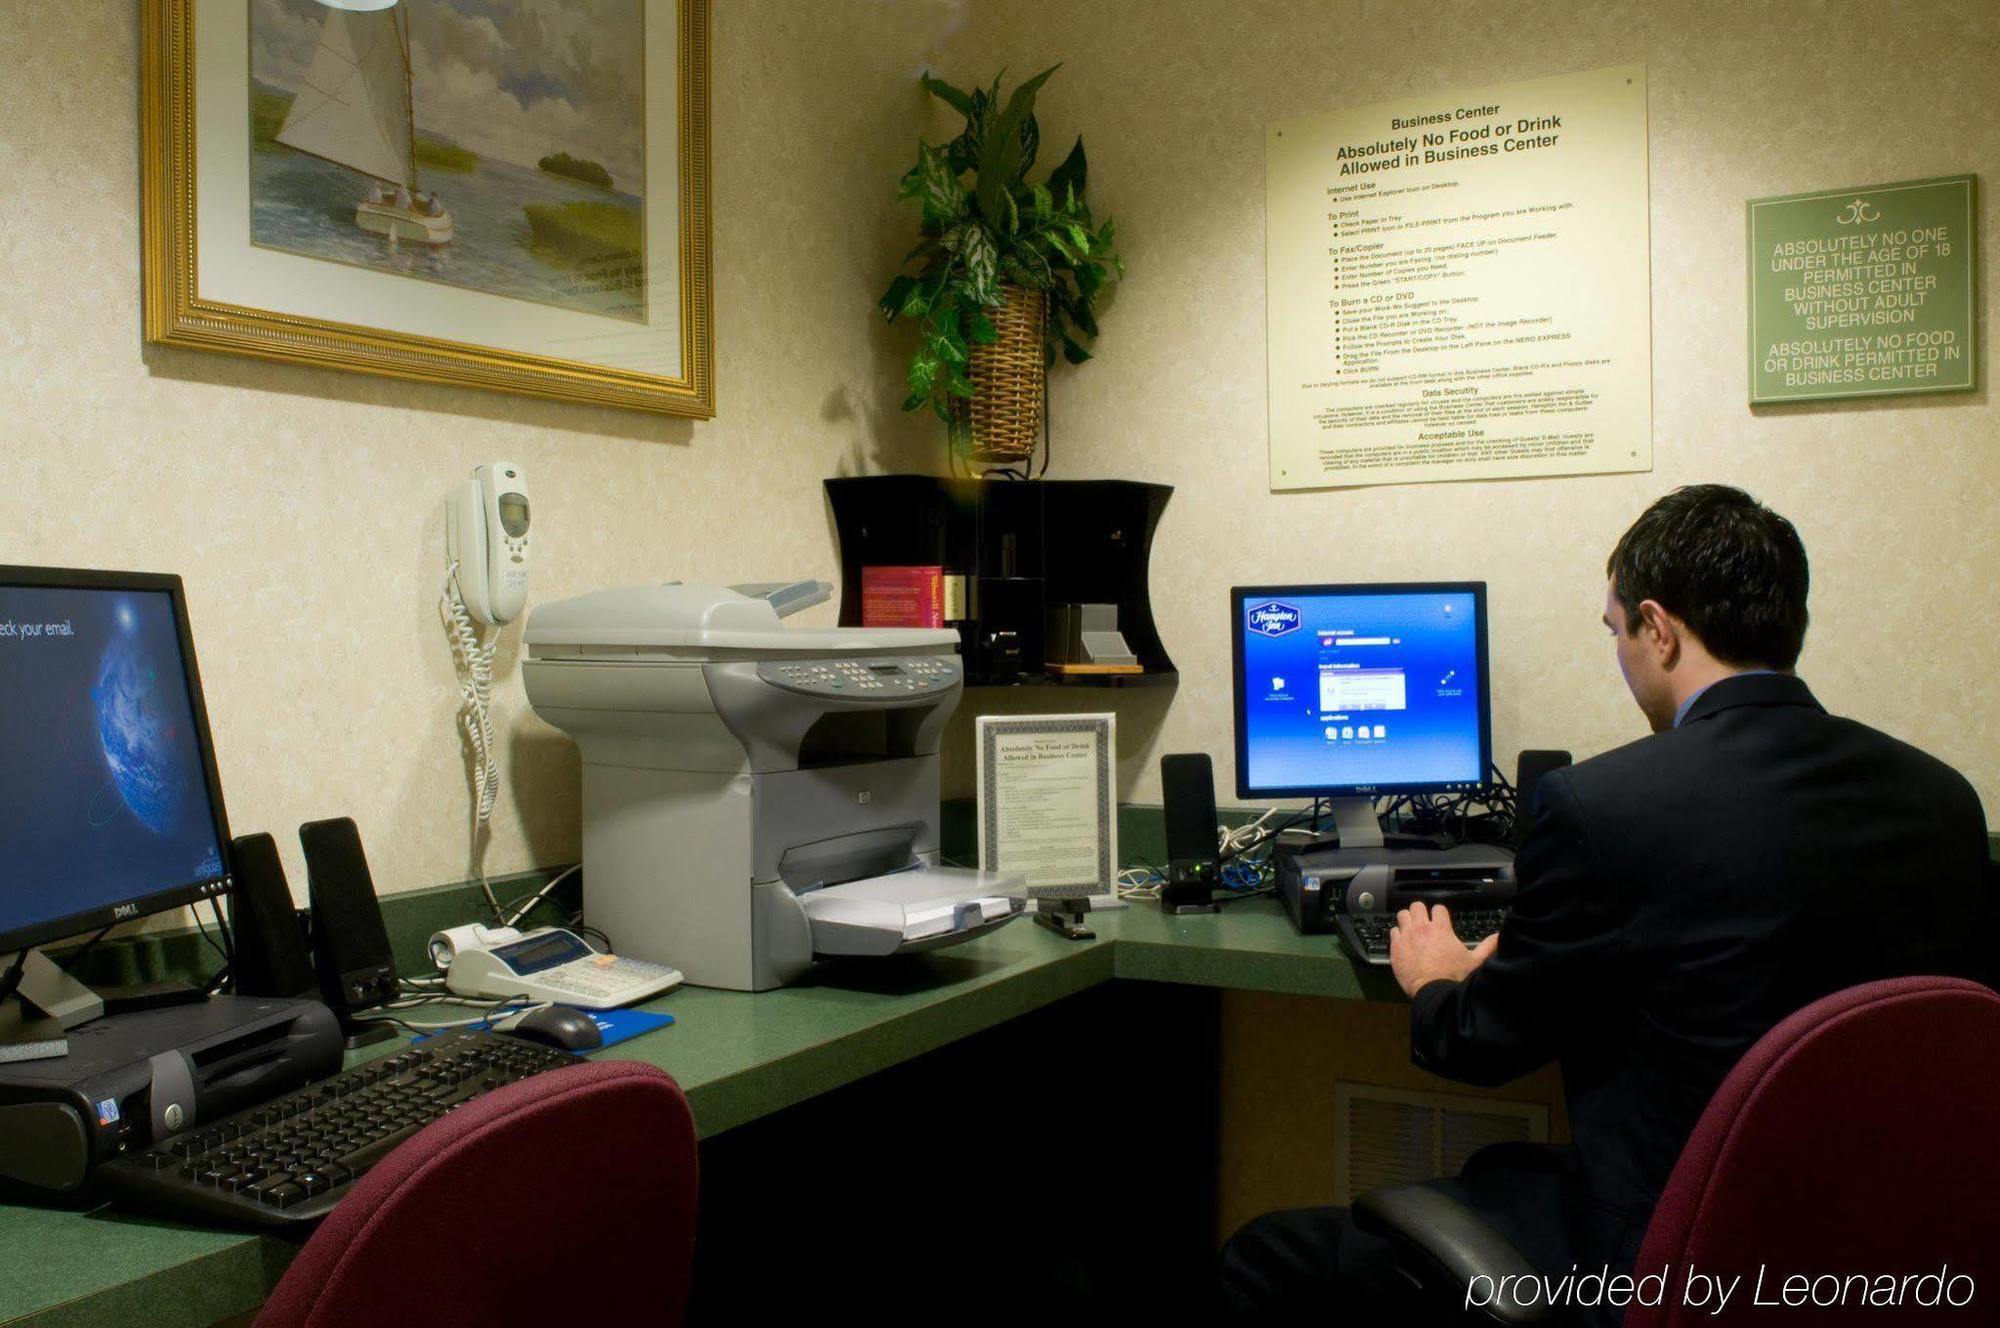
[1347,691]
[109,803]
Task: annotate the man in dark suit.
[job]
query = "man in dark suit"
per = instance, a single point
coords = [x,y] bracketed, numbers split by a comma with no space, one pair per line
[1679,896]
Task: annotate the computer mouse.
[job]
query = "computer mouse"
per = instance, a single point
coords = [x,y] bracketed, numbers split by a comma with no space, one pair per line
[560,1026]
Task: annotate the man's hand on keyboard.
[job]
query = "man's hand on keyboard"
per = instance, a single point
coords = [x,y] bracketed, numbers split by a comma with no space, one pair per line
[1423,949]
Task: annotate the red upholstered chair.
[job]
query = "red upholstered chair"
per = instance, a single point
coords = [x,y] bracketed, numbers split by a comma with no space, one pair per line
[1856,1137]
[567,1197]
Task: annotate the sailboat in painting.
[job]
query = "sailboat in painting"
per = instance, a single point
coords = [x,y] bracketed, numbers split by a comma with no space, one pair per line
[355,110]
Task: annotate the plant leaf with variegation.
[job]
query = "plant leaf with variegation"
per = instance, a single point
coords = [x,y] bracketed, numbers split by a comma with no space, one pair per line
[943,197]
[1031,142]
[982,264]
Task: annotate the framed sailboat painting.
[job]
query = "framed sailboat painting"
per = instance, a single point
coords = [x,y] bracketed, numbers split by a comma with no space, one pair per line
[510,194]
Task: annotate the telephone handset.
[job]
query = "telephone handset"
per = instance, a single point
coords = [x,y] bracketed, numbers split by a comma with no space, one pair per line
[486,535]
[485,586]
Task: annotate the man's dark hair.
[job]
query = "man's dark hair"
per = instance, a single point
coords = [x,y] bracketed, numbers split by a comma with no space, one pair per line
[1723,563]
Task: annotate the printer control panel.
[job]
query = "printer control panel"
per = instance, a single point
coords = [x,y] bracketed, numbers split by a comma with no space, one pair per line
[867,679]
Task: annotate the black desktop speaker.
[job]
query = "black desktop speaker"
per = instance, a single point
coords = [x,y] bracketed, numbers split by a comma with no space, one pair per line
[271,954]
[350,943]
[1529,768]
[1187,785]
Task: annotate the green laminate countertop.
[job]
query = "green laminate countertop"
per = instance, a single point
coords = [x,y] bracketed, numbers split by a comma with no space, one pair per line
[737,1055]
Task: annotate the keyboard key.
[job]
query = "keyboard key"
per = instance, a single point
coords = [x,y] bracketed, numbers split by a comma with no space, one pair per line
[363,1158]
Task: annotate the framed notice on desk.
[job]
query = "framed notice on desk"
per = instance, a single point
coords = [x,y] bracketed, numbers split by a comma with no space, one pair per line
[1048,801]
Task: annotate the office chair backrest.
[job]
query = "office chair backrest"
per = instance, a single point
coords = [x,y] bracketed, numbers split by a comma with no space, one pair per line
[1855,1142]
[567,1197]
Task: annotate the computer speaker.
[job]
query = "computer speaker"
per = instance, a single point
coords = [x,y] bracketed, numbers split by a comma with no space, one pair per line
[1187,786]
[1529,768]
[351,951]
[271,954]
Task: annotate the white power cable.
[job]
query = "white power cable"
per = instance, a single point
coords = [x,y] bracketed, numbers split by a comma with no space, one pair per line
[1138,884]
[1232,840]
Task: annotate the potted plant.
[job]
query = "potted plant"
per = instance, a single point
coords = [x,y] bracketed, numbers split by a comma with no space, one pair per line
[1007,272]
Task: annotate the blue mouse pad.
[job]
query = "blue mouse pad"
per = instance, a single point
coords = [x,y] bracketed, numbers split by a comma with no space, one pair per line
[616,1025]
[623,1025]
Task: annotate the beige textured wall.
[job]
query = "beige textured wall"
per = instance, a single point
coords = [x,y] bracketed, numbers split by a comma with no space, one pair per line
[303,506]
[1897,500]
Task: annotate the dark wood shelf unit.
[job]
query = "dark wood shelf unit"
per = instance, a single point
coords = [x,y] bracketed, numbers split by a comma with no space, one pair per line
[1022,546]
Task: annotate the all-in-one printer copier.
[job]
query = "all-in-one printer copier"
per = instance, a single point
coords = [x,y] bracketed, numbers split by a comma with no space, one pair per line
[756,797]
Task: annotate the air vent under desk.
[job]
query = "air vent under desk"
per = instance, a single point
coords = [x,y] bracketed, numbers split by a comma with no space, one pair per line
[1386,1137]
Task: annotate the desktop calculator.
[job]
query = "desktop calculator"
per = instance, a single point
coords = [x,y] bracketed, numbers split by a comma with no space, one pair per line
[554,964]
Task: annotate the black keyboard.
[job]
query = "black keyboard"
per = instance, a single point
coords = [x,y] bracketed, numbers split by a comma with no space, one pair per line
[293,1158]
[1367,934]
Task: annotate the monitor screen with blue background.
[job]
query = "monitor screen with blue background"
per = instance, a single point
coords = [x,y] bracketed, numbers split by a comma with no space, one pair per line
[1349,689]
[105,799]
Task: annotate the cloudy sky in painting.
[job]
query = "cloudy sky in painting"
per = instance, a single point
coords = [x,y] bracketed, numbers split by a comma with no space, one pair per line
[513,79]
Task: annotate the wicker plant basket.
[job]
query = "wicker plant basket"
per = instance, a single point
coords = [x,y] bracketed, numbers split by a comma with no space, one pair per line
[1007,377]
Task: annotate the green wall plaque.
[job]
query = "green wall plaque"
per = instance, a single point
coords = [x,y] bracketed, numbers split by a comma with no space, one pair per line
[1863,292]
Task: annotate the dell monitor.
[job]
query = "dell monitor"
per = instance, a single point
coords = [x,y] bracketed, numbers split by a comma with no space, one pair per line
[1354,692]
[109,803]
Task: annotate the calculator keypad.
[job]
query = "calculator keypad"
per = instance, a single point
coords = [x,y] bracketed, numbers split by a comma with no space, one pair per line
[599,980]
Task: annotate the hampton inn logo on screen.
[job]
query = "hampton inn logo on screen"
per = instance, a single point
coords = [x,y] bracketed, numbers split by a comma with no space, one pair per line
[1273,618]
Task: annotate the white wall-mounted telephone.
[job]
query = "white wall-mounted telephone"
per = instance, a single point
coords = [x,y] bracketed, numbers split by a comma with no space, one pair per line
[486,536]
[485,586]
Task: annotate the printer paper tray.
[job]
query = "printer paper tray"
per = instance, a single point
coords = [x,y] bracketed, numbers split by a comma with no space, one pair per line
[909,911]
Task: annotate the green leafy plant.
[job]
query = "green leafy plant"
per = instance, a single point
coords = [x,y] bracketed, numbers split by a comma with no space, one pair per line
[992,228]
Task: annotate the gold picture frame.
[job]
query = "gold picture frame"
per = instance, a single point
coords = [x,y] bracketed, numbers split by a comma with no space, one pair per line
[180,312]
